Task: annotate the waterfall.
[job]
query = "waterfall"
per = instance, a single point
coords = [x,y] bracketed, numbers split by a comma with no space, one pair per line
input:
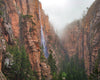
[43,43]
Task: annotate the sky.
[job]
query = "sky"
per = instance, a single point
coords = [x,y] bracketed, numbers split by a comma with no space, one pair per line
[63,12]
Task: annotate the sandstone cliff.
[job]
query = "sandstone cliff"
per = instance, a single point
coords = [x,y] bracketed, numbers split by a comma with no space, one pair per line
[20,20]
[82,37]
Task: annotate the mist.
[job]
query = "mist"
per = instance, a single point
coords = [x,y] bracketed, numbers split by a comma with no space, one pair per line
[63,12]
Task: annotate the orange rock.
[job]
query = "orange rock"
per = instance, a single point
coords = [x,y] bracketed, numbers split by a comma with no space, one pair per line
[73,37]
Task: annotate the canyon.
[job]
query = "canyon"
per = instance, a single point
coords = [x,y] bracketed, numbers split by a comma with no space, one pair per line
[25,23]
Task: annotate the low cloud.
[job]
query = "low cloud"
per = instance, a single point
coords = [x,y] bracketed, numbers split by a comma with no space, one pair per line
[62,12]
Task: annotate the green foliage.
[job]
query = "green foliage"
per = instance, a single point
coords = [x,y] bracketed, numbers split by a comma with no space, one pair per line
[33,23]
[95,75]
[21,68]
[26,72]
[27,16]
[74,68]
[1,13]
[50,37]
[42,57]
[31,29]
[1,6]
[55,76]
[64,74]
[52,64]
[60,76]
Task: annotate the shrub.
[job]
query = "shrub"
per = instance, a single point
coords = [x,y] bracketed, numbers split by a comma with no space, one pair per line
[31,29]
[1,13]
[27,16]
[52,64]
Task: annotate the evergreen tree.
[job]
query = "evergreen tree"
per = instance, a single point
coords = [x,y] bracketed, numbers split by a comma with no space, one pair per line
[20,68]
[26,72]
[16,63]
[74,68]
[52,64]
[55,76]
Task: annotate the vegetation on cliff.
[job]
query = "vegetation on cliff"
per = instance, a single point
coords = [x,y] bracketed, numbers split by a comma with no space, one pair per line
[52,64]
[20,68]
[83,39]
[95,72]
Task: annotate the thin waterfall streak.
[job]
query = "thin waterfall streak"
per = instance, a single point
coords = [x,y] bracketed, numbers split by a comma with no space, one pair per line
[43,43]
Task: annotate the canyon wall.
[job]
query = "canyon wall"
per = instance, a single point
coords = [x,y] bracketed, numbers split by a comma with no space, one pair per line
[82,37]
[19,20]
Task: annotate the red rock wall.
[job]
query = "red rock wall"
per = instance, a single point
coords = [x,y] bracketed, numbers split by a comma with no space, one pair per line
[25,28]
[83,37]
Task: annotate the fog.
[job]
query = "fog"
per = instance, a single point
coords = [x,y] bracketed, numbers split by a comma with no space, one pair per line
[62,12]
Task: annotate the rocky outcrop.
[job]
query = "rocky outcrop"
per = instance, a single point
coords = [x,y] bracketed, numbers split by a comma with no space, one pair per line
[7,31]
[46,71]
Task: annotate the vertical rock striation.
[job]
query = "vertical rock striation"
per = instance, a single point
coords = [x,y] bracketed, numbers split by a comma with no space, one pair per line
[82,37]
[21,21]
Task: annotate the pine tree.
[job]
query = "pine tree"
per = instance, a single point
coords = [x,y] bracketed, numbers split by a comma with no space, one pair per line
[20,68]
[52,64]
[74,68]
[26,72]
